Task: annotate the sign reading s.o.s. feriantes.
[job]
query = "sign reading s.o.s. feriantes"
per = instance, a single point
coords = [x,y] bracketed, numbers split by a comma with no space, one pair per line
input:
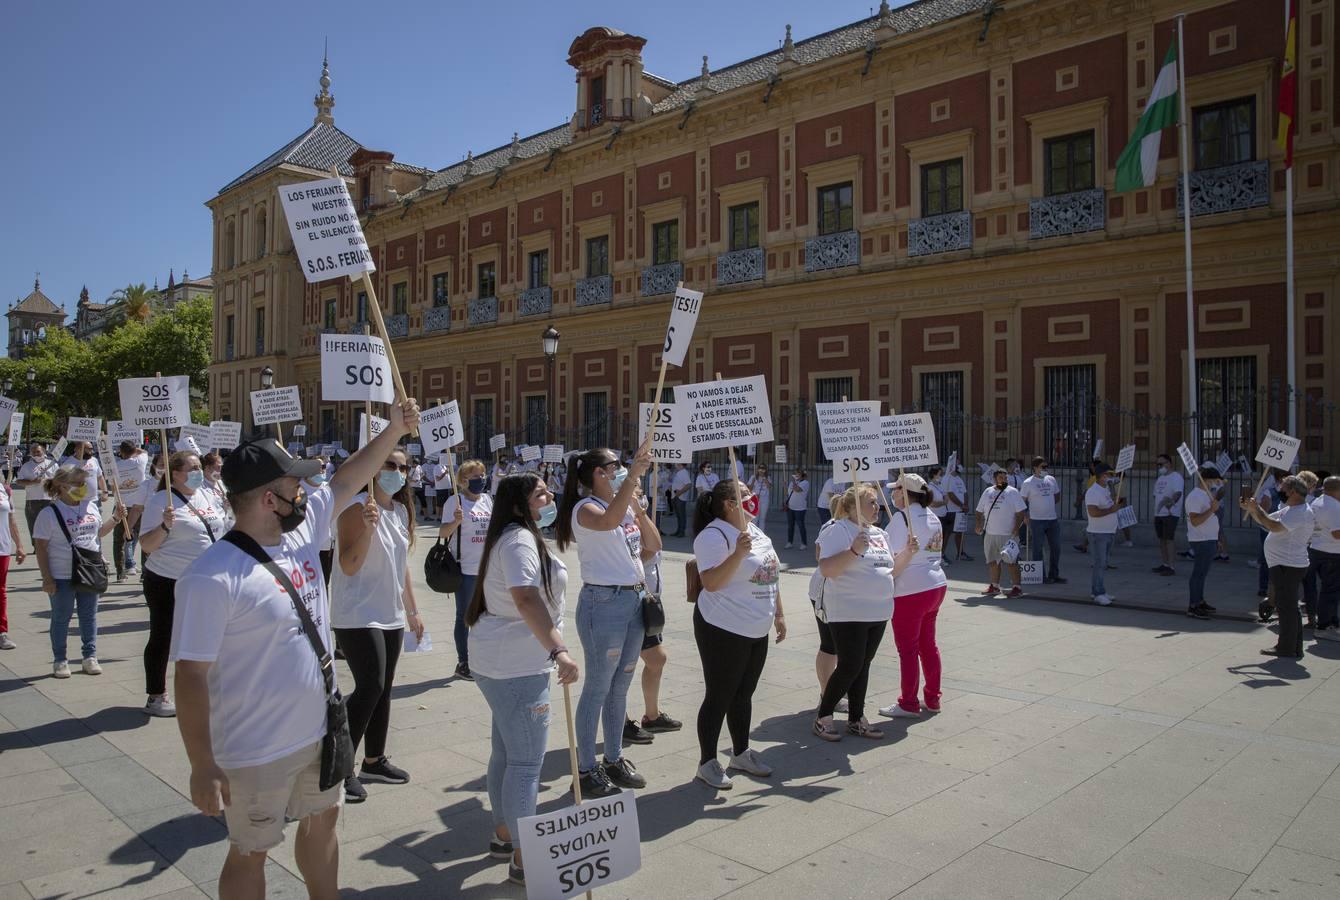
[326,233]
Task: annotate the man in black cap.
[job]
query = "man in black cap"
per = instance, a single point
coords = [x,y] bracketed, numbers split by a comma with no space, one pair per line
[251,696]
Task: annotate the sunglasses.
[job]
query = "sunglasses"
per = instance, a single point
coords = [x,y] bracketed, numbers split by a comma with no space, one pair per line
[392,467]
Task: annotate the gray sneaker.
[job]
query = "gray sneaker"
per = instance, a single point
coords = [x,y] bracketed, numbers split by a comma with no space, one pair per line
[711,774]
[6,643]
[749,762]
[161,707]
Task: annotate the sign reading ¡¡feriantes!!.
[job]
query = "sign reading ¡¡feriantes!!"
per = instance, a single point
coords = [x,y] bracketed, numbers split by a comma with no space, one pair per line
[326,234]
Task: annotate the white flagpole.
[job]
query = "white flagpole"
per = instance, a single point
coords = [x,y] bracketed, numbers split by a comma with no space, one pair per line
[1291,363]
[1182,126]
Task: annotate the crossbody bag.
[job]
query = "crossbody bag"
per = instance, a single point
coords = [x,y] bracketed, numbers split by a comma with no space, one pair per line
[88,570]
[653,611]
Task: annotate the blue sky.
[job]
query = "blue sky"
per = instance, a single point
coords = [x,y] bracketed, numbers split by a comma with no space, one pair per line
[123,118]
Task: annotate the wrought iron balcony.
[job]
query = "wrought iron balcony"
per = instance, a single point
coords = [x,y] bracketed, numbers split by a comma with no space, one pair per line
[536,301]
[833,251]
[437,318]
[661,279]
[397,326]
[594,290]
[739,266]
[228,354]
[329,329]
[1073,213]
[360,327]
[1227,188]
[483,310]
[940,234]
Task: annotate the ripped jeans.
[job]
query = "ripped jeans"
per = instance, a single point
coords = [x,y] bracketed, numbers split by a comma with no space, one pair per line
[521,715]
[609,623]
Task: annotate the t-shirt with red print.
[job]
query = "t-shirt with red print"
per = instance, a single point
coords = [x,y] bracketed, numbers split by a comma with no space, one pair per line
[83,520]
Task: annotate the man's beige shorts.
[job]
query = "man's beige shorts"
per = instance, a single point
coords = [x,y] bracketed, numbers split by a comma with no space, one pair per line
[265,797]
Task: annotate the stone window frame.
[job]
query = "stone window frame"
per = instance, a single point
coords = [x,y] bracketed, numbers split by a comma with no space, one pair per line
[480,257]
[827,174]
[435,269]
[654,214]
[1254,79]
[533,243]
[594,227]
[391,277]
[939,149]
[1091,115]
[740,193]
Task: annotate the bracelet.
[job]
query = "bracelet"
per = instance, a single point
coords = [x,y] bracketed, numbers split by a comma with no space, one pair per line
[854,553]
[553,654]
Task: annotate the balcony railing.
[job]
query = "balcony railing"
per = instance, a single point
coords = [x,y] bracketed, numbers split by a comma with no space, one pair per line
[594,291]
[661,279]
[483,310]
[228,353]
[329,329]
[360,327]
[397,326]
[833,251]
[739,266]
[536,301]
[1061,214]
[1227,188]
[940,234]
[438,318]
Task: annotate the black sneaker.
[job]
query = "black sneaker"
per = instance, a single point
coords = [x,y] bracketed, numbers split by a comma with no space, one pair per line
[516,874]
[354,792]
[966,556]
[624,774]
[1208,608]
[1198,612]
[635,734]
[463,671]
[661,723]
[498,848]
[1265,611]
[596,783]
[383,772]
[1057,579]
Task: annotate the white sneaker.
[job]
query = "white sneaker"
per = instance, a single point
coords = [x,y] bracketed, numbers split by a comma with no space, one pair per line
[161,707]
[802,545]
[842,706]
[1103,600]
[711,774]
[748,761]
[91,666]
[788,546]
[6,643]
[1323,634]
[897,712]
[60,669]
[1128,543]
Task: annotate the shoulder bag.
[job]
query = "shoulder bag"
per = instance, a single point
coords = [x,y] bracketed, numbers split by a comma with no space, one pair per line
[441,569]
[88,570]
[692,578]
[337,747]
[653,611]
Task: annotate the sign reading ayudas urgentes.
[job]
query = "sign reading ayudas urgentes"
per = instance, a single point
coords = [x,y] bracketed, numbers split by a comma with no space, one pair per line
[570,851]
[326,234]
[156,402]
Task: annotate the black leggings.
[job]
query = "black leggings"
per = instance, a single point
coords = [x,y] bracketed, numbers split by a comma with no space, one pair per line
[158,593]
[1285,582]
[372,654]
[731,667]
[856,643]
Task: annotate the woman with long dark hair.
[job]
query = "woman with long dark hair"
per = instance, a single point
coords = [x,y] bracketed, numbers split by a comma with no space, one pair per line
[613,537]
[515,619]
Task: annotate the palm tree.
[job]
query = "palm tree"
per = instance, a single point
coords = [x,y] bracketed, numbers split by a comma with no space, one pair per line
[137,301]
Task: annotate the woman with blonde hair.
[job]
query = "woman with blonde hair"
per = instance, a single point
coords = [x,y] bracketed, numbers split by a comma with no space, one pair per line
[466,514]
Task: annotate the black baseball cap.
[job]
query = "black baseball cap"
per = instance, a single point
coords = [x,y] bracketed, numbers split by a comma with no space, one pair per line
[1101,468]
[257,463]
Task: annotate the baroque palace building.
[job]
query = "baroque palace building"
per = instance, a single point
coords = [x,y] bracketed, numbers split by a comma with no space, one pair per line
[915,208]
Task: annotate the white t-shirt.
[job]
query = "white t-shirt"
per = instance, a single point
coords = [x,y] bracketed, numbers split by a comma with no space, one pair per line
[1000,514]
[266,696]
[1040,492]
[1326,514]
[864,591]
[92,469]
[442,479]
[1164,488]
[762,487]
[798,500]
[924,572]
[7,547]
[415,476]
[430,479]
[939,502]
[83,521]
[374,596]
[1198,502]
[681,484]
[130,476]
[1101,497]
[36,471]
[827,492]
[474,528]
[1289,548]
[501,643]
[954,484]
[747,602]
[703,484]
[611,557]
[188,537]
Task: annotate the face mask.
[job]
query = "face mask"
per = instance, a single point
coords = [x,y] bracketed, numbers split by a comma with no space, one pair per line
[79,494]
[195,479]
[476,485]
[618,478]
[295,516]
[391,482]
[317,479]
[1163,469]
[547,514]
[751,506]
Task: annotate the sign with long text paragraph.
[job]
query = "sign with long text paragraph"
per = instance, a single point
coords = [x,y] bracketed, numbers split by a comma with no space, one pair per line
[553,453]
[355,367]
[908,441]
[725,413]
[225,435]
[156,402]
[16,429]
[849,433]
[202,435]
[1125,459]
[281,404]
[1188,459]
[326,234]
[497,442]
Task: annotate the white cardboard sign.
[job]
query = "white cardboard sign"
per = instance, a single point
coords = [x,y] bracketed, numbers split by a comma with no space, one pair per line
[326,234]
[281,404]
[187,443]
[378,426]
[355,367]
[530,453]
[1098,449]
[1030,571]
[440,427]
[1188,459]
[1126,517]
[850,435]
[683,319]
[497,442]
[156,402]
[106,458]
[300,430]
[58,452]
[16,429]
[988,475]
[8,408]
[118,431]
[779,453]
[79,428]
[1278,450]
[907,441]
[669,445]
[1125,459]
[573,850]
[201,435]
[725,413]
[414,449]
[553,453]
[1224,463]
[951,467]
[225,435]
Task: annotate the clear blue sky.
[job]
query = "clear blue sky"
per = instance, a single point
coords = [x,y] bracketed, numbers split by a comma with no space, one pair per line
[124,118]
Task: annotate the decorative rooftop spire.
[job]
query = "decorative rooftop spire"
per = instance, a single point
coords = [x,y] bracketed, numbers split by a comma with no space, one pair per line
[172,278]
[885,24]
[83,296]
[37,281]
[324,101]
[788,45]
[704,79]
[516,144]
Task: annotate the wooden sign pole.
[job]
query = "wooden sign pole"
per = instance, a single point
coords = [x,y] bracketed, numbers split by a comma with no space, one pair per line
[730,451]
[572,756]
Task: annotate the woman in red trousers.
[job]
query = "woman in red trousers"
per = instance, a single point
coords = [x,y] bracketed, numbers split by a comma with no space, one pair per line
[918,591]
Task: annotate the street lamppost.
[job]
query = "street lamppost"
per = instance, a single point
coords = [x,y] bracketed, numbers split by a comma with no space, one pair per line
[549,340]
[267,378]
[30,376]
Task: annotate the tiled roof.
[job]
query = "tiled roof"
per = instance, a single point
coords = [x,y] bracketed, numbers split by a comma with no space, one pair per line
[319,147]
[535,145]
[39,303]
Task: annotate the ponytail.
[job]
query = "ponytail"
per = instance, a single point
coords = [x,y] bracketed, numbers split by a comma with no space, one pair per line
[581,472]
[712,505]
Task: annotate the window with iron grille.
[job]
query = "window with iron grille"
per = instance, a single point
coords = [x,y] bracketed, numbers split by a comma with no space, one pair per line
[664,242]
[829,390]
[595,419]
[942,397]
[942,188]
[1226,405]
[260,331]
[539,269]
[1070,413]
[1069,162]
[835,212]
[597,101]
[597,256]
[481,428]
[440,291]
[537,416]
[488,280]
[1225,133]
[331,311]
[400,298]
[743,226]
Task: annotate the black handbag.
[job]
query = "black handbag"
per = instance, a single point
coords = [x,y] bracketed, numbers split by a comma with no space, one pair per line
[88,570]
[337,747]
[653,614]
[442,569]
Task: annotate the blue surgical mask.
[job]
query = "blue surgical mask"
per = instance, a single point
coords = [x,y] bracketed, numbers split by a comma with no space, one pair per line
[547,515]
[195,479]
[319,478]
[618,478]
[476,485]
[389,481]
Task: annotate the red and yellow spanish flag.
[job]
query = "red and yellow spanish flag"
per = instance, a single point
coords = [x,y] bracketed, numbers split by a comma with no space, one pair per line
[1288,99]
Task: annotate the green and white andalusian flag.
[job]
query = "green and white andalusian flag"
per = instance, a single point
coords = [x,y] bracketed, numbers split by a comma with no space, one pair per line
[1139,161]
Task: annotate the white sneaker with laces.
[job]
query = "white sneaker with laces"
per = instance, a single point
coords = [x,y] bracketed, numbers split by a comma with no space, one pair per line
[6,643]
[60,669]
[1103,600]
[711,774]
[161,707]
[897,712]
[748,761]
[91,666]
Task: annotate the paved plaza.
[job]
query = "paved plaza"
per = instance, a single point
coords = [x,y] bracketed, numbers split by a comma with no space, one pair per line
[1083,752]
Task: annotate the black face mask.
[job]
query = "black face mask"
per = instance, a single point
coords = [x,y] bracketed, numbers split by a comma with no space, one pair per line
[295,516]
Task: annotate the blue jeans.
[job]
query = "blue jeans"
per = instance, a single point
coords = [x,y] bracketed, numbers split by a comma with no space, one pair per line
[609,623]
[1050,531]
[1204,551]
[63,604]
[460,632]
[1100,545]
[521,715]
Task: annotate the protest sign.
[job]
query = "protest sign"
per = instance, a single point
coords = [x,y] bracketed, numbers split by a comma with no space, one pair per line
[326,234]
[573,850]
[118,431]
[1098,449]
[1278,450]
[1126,517]
[779,453]
[518,450]
[497,442]
[951,467]
[16,429]
[414,449]
[1244,464]
[201,435]
[907,441]
[553,453]
[530,453]
[281,404]
[78,428]
[849,433]
[1125,459]
[750,450]
[1224,463]
[669,444]
[8,408]
[683,319]
[725,413]
[187,443]
[355,367]
[414,645]
[107,459]
[440,427]
[988,474]
[1030,571]
[1188,459]
[378,426]
[155,402]
[300,430]
[225,435]
[58,452]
